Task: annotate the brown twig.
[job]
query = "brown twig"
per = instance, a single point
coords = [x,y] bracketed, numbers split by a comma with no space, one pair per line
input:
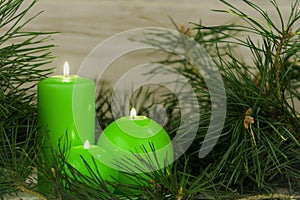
[180,194]
[283,40]
[30,191]
[271,196]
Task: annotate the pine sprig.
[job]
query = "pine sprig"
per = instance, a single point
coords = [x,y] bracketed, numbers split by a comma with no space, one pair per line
[22,55]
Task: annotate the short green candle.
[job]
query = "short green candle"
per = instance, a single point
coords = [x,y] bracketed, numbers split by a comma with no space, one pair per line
[128,135]
[88,152]
[66,106]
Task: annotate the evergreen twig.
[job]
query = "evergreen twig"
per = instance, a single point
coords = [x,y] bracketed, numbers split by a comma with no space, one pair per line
[22,55]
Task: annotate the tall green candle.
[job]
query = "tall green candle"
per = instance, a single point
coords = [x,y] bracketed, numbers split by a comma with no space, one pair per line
[66,106]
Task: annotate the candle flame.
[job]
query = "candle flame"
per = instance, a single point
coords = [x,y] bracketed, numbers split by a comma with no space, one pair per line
[132,113]
[86,144]
[66,69]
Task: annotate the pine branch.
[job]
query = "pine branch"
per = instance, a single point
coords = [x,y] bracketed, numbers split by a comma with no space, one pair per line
[256,149]
[277,63]
[20,69]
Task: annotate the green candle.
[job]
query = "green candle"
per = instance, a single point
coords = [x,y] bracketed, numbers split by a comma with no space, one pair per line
[66,106]
[130,134]
[88,152]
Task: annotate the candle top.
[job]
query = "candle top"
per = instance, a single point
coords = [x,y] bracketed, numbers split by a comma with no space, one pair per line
[135,125]
[134,116]
[66,78]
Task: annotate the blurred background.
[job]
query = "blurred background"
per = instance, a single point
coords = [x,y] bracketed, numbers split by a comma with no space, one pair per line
[85,24]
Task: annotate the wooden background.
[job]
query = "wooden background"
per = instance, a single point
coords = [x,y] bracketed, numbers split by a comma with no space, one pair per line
[85,24]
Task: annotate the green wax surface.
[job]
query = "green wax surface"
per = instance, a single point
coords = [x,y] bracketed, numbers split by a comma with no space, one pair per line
[66,106]
[76,154]
[127,135]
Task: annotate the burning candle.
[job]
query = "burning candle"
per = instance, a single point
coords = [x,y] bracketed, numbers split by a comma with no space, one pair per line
[78,154]
[135,134]
[66,107]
